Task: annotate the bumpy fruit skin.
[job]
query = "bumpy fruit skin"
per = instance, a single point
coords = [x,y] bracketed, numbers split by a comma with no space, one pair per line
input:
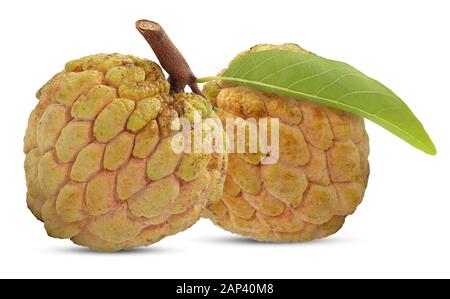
[319,179]
[99,165]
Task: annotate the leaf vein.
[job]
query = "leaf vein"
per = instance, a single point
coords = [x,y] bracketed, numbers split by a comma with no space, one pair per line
[365,92]
[285,69]
[336,80]
[259,64]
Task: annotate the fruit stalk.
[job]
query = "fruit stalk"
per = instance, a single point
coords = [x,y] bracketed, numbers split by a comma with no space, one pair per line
[170,58]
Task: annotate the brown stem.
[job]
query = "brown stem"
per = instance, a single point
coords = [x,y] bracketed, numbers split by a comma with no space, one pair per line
[171,60]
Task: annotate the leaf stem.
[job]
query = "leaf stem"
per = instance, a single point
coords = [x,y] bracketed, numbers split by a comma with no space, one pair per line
[207,79]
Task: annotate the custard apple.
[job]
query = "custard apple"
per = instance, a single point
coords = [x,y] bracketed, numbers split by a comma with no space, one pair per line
[318,180]
[100,169]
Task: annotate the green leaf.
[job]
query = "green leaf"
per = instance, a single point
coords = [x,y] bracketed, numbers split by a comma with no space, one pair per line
[332,83]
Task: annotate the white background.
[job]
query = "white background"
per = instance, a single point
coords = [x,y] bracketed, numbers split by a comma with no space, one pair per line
[400,230]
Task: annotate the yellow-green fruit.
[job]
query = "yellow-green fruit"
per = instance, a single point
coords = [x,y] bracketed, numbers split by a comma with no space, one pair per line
[319,178]
[99,165]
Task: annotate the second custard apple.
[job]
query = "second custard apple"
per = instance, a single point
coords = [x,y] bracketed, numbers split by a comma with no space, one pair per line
[319,179]
[99,165]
